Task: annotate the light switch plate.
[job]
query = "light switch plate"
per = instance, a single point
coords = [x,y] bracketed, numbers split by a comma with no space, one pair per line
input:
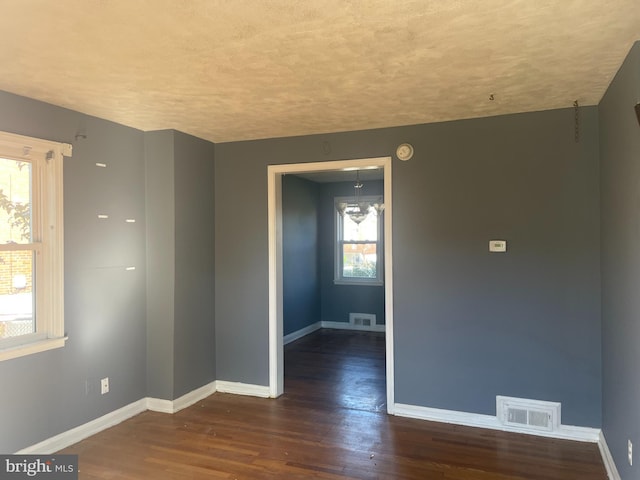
[497,245]
[104,385]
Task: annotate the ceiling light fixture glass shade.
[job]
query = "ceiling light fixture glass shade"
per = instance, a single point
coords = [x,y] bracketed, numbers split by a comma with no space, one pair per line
[359,209]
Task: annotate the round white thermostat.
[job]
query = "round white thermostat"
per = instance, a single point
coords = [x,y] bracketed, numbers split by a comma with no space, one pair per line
[404,151]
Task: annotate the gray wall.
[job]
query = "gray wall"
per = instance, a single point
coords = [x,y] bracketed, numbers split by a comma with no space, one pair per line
[194,339]
[105,305]
[309,292]
[620,174]
[301,276]
[180,286]
[161,248]
[340,300]
[468,324]
[44,394]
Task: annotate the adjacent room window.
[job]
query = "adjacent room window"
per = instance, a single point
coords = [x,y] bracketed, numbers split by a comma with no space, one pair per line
[31,245]
[358,243]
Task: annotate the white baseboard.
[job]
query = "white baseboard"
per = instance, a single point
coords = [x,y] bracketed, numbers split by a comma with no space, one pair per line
[607,458]
[194,396]
[159,405]
[350,326]
[65,439]
[293,336]
[173,406]
[239,388]
[566,432]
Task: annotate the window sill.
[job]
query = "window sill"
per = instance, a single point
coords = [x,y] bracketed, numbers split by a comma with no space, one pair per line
[374,283]
[31,348]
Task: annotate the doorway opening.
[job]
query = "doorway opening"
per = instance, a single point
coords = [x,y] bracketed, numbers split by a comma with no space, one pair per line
[275,233]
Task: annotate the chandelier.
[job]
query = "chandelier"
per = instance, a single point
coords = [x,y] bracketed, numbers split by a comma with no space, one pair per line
[358,210]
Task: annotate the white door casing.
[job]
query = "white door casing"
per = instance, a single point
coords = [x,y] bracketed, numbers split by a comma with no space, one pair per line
[276,349]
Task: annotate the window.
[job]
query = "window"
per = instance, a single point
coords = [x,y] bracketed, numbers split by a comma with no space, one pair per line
[358,245]
[31,245]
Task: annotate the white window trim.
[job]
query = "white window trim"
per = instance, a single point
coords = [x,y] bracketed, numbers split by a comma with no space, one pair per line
[338,278]
[49,290]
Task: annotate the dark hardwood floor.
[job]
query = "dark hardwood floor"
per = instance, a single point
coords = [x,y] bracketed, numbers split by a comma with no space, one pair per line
[337,369]
[329,424]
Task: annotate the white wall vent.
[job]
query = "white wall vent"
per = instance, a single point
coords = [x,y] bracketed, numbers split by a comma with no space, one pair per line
[362,319]
[528,414]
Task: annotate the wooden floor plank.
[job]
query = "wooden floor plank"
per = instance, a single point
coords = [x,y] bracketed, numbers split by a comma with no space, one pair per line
[330,424]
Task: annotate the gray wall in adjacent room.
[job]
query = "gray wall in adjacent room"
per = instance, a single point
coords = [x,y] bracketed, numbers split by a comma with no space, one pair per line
[620,177]
[194,338]
[468,325]
[338,301]
[300,274]
[44,394]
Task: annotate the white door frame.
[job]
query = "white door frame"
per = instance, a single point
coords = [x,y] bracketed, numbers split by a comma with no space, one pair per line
[276,348]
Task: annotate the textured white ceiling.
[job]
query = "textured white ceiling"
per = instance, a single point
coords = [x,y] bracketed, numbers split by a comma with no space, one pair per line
[229,70]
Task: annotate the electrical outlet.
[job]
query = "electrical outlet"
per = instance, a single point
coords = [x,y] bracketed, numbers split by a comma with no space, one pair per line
[104,386]
[630,451]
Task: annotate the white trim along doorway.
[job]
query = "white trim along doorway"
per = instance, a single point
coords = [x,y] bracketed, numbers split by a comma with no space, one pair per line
[276,348]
